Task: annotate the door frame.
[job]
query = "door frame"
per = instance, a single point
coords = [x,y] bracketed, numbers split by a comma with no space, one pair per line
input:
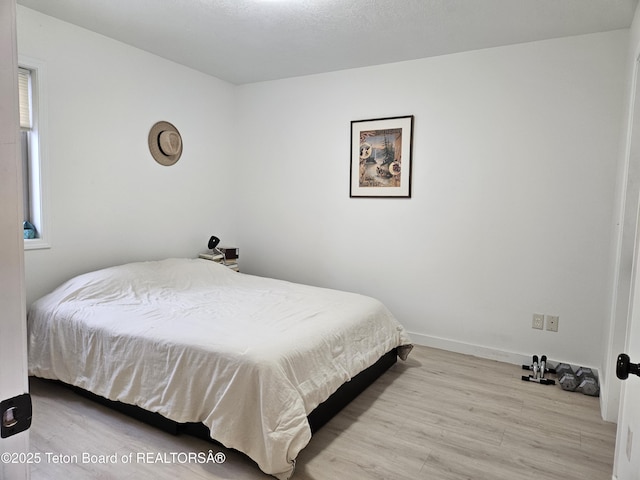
[13,327]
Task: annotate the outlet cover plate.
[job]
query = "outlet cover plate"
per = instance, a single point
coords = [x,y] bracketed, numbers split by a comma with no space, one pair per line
[552,323]
[538,321]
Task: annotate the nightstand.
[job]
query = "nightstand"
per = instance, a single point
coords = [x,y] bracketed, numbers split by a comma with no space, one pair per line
[227,256]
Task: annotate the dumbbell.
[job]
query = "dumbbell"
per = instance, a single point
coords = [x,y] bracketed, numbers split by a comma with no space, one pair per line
[566,377]
[588,382]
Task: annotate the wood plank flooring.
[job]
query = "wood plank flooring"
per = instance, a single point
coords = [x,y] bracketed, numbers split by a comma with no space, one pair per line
[439,415]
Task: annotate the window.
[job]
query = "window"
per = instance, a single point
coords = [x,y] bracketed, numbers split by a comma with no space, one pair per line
[31,98]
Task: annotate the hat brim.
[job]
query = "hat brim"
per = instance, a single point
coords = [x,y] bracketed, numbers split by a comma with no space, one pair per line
[154,144]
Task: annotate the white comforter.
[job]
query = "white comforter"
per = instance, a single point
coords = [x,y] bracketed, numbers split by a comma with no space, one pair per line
[249,357]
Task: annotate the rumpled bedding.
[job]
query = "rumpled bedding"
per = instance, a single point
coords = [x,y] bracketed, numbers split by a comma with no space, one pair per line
[249,357]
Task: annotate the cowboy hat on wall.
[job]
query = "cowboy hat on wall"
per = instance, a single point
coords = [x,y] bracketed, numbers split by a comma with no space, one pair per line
[165,143]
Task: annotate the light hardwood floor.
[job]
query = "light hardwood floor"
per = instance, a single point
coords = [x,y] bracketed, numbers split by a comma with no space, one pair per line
[439,415]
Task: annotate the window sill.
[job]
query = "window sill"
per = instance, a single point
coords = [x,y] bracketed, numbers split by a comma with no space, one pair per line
[36,244]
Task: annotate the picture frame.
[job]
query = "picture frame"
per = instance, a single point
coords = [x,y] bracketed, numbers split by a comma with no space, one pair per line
[381,154]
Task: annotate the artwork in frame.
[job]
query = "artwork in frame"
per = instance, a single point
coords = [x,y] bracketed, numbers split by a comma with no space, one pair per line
[381,150]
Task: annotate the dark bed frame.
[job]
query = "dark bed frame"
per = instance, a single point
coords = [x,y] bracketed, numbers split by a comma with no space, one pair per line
[317,418]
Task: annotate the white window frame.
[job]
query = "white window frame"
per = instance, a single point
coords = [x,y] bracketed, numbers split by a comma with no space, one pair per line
[38,172]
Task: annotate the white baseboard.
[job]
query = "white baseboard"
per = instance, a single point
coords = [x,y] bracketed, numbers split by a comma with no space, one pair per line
[480,351]
[470,349]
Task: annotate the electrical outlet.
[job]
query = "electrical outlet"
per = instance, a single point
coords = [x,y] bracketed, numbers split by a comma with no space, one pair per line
[629,442]
[552,323]
[538,321]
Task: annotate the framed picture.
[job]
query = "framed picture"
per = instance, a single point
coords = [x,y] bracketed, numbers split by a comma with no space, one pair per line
[381,157]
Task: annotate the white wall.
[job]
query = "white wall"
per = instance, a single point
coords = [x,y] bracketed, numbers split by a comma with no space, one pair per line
[514,172]
[109,201]
[513,180]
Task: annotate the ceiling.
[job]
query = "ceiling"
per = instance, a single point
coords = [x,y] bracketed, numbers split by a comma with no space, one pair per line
[246,41]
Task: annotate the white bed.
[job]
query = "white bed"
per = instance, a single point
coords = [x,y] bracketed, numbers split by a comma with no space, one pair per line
[247,356]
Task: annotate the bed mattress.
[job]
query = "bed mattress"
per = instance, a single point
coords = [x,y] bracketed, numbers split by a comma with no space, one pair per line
[249,357]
